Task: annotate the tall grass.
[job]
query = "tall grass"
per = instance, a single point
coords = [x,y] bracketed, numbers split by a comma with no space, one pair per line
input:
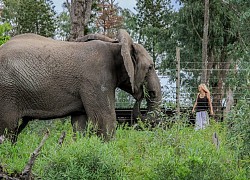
[176,153]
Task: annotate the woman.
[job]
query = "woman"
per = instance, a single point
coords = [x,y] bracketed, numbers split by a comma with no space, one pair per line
[201,105]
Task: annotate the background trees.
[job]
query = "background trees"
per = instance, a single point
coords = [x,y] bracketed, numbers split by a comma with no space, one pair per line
[153,21]
[63,26]
[108,19]
[29,16]
[4,29]
[79,11]
[224,43]
[160,29]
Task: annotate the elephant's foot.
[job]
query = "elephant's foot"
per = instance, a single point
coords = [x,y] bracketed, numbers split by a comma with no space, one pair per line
[107,132]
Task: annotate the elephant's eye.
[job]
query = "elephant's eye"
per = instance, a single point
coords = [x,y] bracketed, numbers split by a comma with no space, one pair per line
[150,67]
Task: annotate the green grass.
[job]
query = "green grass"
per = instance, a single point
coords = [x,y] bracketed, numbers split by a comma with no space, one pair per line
[176,153]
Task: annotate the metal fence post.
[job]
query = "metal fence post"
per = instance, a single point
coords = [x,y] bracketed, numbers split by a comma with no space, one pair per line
[178,81]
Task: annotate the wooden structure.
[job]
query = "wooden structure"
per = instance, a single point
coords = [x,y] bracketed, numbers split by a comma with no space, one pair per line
[125,115]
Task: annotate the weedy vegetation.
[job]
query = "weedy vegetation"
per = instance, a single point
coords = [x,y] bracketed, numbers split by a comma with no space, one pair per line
[177,152]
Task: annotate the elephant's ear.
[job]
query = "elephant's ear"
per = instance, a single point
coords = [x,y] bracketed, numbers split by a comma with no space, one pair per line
[126,49]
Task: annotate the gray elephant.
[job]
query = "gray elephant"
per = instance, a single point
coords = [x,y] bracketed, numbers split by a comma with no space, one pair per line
[42,78]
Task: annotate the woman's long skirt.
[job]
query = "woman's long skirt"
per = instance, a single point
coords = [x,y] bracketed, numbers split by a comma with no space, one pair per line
[202,120]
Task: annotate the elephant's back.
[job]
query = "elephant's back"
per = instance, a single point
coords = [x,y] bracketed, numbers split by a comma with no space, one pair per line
[31,51]
[32,48]
[27,41]
[29,36]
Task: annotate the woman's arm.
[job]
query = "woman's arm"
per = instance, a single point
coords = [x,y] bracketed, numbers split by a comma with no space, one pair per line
[195,104]
[210,104]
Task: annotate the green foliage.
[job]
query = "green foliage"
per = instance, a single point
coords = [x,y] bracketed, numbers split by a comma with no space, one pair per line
[63,25]
[153,20]
[30,16]
[88,159]
[124,99]
[239,134]
[176,153]
[226,46]
[4,29]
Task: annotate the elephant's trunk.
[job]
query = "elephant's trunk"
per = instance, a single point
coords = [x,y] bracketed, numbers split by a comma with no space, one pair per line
[153,90]
[153,96]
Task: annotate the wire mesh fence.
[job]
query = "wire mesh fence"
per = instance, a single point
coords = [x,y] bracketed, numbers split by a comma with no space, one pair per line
[227,86]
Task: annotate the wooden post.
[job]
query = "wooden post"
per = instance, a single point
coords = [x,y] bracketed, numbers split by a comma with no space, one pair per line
[178,80]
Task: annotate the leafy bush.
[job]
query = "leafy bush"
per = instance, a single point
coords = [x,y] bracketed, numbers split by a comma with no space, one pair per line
[176,153]
[4,28]
[238,132]
[84,159]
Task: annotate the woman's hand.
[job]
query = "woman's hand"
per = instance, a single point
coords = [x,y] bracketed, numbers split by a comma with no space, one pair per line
[212,112]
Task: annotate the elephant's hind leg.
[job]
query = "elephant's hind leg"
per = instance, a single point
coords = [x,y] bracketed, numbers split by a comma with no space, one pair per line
[9,127]
[9,122]
[24,123]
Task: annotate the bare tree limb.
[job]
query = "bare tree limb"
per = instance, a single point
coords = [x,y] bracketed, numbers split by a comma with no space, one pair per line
[216,140]
[68,6]
[62,137]
[2,138]
[4,176]
[27,170]
[195,28]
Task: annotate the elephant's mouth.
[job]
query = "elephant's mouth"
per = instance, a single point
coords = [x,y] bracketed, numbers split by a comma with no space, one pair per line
[139,93]
[152,94]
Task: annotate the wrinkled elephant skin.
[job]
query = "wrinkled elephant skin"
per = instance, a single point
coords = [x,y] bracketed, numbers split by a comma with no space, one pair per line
[42,78]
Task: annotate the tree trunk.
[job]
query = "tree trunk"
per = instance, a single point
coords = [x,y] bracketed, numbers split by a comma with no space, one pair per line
[205,42]
[210,64]
[218,88]
[80,11]
[229,101]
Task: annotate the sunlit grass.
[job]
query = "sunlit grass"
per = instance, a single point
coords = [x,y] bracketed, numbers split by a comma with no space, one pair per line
[176,153]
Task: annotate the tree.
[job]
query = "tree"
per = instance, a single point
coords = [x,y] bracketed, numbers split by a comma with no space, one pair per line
[33,16]
[108,20]
[4,29]
[225,46]
[105,18]
[150,26]
[205,42]
[153,20]
[63,26]
[80,11]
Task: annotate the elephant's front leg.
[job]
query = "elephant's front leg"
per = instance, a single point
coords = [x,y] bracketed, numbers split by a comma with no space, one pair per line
[100,109]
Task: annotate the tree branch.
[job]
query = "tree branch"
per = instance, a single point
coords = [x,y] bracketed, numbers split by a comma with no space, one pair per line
[27,170]
[192,19]
[61,139]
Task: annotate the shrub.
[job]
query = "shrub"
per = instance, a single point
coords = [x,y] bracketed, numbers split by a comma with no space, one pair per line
[4,29]
[239,133]
[176,153]
[87,158]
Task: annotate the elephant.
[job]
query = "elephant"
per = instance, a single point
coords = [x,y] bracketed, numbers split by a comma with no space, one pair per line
[42,78]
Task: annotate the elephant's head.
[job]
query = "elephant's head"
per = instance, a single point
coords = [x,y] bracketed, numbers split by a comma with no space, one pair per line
[138,77]
[142,77]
